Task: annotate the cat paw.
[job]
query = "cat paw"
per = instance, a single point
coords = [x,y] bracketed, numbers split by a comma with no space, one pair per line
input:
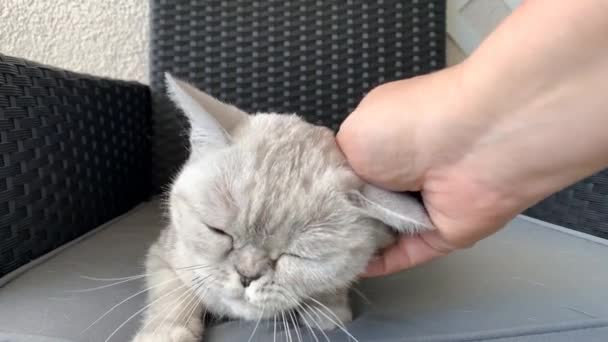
[340,317]
[170,334]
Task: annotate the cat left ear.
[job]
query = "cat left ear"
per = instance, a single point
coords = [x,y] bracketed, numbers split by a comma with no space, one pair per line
[401,211]
[211,121]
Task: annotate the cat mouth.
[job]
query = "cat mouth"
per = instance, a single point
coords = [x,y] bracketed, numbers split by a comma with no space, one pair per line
[259,301]
[271,307]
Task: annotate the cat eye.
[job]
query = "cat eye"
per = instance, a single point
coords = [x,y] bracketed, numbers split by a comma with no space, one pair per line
[292,255]
[217,231]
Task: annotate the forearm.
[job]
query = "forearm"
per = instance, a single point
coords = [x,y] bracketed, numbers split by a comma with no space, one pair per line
[539,87]
[523,117]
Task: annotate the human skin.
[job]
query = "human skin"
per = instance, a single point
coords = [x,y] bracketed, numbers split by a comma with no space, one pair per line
[523,117]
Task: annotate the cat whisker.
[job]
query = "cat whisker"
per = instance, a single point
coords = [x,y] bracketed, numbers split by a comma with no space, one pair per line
[191,289]
[193,267]
[142,309]
[274,329]
[125,279]
[362,295]
[256,325]
[189,308]
[295,325]
[141,274]
[292,298]
[104,286]
[303,309]
[153,319]
[190,299]
[114,279]
[329,311]
[209,280]
[126,300]
[177,303]
[162,311]
[312,332]
[193,310]
[317,323]
[340,326]
[286,326]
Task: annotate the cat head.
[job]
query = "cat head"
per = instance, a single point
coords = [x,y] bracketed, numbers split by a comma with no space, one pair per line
[270,207]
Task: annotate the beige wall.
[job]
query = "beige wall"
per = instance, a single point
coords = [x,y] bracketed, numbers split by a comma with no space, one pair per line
[101,37]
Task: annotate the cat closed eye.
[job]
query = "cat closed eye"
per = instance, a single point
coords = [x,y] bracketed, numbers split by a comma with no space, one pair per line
[218,231]
[295,256]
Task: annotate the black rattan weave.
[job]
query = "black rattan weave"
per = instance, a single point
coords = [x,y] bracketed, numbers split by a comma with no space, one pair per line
[582,206]
[75,149]
[315,58]
[74,153]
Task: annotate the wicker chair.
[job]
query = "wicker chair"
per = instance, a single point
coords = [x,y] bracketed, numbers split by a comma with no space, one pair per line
[83,159]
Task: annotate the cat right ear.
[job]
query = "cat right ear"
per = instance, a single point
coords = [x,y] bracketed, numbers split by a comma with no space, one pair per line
[400,211]
[211,121]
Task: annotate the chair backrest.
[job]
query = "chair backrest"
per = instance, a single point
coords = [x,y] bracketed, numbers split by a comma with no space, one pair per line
[314,58]
[582,206]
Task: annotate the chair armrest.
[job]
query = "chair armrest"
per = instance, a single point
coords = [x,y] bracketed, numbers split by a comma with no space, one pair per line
[74,153]
[582,206]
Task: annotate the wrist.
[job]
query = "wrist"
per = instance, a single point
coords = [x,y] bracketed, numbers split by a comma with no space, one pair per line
[533,136]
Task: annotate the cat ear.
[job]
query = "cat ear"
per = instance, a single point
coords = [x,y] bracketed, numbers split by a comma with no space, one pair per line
[211,120]
[401,211]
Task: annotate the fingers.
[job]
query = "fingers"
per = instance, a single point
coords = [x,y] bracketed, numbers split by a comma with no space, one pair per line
[382,138]
[358,145]
[379,149]
[408,252]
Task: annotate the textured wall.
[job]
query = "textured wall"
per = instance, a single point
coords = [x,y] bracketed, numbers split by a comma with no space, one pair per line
[106,38]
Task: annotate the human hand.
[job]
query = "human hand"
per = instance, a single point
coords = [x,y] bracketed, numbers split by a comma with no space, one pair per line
[523,117]
[415,135]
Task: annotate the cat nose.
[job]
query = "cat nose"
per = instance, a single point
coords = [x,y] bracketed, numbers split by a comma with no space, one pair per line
[250,263]
[247,280]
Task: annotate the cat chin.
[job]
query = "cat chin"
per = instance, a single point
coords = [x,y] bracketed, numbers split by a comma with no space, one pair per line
[246,306]
[243,309]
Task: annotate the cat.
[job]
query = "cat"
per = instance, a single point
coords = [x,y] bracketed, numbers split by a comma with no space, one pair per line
[265,217]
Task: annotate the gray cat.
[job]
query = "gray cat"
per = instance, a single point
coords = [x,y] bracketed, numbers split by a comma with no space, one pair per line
[266,219]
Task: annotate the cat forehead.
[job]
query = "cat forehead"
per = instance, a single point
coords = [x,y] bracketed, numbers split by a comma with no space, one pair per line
[276,164]
[286,140]
[273,146]
[295,172]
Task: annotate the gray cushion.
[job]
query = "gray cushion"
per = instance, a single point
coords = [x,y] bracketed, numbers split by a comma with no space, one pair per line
[8,337]
[531,282]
